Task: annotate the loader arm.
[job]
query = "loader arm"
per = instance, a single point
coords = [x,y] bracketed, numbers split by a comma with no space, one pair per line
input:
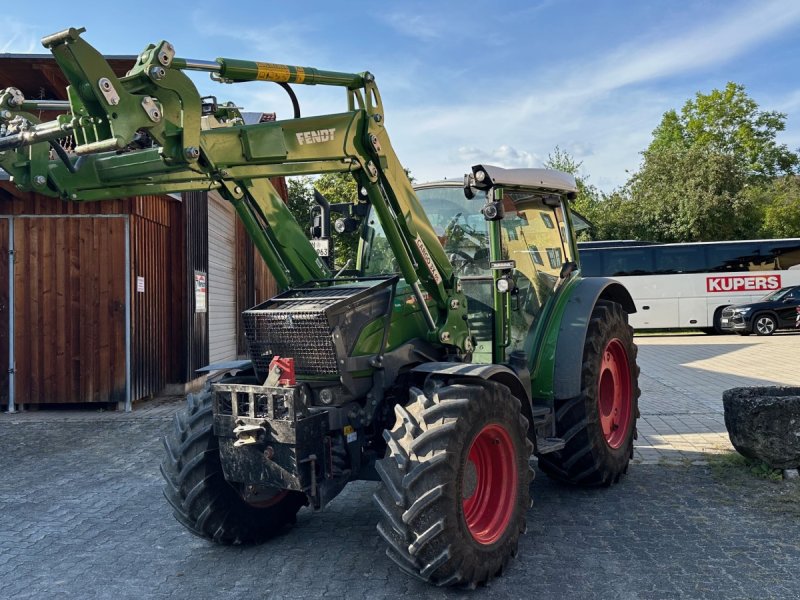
[151,133]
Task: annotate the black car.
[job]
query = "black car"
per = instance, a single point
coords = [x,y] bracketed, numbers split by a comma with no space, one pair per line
[777,310]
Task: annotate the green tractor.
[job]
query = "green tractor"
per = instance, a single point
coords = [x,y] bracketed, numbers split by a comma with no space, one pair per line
[464,343]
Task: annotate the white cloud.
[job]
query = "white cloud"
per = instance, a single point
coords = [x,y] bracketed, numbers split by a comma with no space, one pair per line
[287,41]
[705,45]
[419,26]
[602,112]
[789,103]
[19,38]
[504,156]
[601,108]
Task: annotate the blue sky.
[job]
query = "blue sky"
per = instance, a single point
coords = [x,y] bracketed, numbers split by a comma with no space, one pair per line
[500,82]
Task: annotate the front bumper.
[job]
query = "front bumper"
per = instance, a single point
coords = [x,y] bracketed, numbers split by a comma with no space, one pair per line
[734,322]
[269,436]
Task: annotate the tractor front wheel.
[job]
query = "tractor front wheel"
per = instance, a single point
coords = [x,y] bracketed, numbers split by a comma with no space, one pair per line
[201,498]
[456,483]
[599,425]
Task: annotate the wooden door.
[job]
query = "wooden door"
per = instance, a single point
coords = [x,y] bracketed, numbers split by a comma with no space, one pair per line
[69,304]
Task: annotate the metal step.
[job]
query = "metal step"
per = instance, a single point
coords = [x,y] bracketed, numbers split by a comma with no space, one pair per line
[549,445]
[540,411]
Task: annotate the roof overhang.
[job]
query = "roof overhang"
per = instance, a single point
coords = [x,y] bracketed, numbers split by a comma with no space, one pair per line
[39,77]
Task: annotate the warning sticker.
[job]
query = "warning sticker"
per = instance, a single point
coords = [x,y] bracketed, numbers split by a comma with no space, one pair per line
[351,433]
[301,75]
[273,72]
[426,257]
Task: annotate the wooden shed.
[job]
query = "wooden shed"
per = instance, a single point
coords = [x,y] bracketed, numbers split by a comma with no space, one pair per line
[100,302]
[112,301]
[78,328]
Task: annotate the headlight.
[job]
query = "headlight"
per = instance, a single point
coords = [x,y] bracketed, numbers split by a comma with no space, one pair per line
[744,311]
[503,285]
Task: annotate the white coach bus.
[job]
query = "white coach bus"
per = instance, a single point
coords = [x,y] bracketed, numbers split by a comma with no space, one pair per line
[678,286]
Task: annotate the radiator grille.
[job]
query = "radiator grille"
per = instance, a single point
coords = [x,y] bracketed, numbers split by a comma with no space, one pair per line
[299,324]
[304,336]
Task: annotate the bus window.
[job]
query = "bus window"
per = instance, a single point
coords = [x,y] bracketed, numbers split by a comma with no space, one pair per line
[686,259]
[590,263]
[737,257]
[786,255]
[629,261]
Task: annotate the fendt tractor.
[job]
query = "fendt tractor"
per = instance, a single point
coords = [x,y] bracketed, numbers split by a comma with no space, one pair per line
[464,342]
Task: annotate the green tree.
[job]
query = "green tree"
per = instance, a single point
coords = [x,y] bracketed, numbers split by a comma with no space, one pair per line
[340,188]
[780,200]
[700,175]
[730,123]
[609,214]
[301,199]
[337,188]
[688,195]
[589,199]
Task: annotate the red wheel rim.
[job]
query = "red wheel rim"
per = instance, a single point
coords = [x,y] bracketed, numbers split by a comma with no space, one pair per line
[489,484]
[267,502]
[614,394]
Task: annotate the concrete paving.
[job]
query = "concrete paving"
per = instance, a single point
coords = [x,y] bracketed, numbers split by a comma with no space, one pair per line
[82,516]
[682,380]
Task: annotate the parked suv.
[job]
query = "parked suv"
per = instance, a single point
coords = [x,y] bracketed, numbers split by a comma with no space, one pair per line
[777,310]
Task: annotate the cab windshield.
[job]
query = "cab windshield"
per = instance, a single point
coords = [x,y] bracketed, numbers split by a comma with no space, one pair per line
[458,223]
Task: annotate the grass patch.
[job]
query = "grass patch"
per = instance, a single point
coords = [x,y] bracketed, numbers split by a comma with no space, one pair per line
[725,465]
[758,485]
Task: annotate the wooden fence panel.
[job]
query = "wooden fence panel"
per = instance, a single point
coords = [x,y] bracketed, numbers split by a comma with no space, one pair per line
[157,295]
[69,279]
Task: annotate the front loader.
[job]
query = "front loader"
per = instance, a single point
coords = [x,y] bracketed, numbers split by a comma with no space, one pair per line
[464,343]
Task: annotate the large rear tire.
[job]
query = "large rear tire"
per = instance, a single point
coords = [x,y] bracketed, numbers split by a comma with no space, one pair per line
[599,425]
[201,499]
[456,483]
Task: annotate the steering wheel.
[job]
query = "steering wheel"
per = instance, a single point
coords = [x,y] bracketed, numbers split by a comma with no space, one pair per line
[460,260]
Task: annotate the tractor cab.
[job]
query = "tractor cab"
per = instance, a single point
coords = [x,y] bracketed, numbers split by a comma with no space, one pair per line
[507,237]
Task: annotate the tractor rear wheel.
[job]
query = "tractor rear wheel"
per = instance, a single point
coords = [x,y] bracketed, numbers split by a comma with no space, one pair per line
[599,425]
[201,499]
[456,483]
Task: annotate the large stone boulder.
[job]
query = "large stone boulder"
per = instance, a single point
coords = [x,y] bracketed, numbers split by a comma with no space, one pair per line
[764,423]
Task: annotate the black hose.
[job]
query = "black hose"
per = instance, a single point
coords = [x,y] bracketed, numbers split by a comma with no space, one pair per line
[293,96]
[62,154]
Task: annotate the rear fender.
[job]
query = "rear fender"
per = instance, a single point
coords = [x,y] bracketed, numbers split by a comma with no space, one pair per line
[575,322]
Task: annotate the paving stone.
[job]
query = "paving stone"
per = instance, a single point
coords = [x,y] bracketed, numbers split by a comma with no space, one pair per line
[82,514]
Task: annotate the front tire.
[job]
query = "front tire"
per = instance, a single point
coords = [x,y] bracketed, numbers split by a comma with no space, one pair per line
[201,499]
[599,425]
[764,325]
[456,483]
